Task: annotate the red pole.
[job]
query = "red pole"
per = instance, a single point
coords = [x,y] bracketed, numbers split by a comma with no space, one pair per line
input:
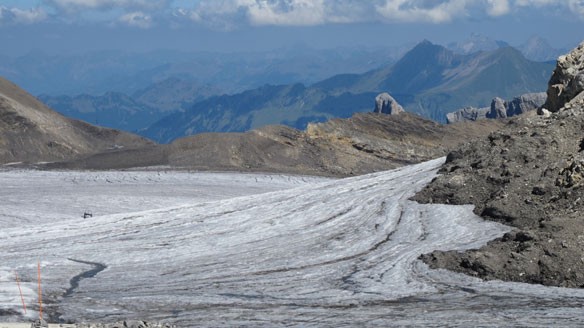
[40,291]
[20,290]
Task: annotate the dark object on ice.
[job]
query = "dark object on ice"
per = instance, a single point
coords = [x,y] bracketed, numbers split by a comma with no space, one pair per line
[39,323]
[87,214]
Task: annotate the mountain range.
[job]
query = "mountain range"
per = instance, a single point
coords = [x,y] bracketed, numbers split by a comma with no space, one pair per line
[429,80]
[96,73]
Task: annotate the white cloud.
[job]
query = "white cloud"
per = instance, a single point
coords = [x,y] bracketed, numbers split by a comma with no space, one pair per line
[577,6]
[291,12]
[231,14]
[498,7]
[422,11]
[569,6]
[535,3]
[21,16]
[137,19]
[77,5]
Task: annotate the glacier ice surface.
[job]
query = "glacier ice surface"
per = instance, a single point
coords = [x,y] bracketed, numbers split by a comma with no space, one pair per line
[224,249]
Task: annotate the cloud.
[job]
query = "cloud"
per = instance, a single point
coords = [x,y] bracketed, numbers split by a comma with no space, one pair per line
[535,3]
[21,16]
[227,14]
[137,19]
[498,7]
[76,5]
[232,14]
[422,11]
[219,14]
[577,6]
[292,12]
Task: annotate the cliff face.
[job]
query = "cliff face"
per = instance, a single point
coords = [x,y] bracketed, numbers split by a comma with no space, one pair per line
[499,108]
[567,82]
[528,175]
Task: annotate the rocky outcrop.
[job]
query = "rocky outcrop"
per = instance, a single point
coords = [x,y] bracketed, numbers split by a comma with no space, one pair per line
[499,108]
[567,81]
[517,106]
[528,175]
[525,103]
[385,104]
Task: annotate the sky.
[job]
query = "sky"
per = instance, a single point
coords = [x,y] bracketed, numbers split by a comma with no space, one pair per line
[77,26]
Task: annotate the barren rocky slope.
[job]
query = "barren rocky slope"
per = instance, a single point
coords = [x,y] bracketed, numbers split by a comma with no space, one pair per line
[529,175]
[31,132]
[367,142]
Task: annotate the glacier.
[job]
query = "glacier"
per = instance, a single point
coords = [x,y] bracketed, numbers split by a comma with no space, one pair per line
[227,249]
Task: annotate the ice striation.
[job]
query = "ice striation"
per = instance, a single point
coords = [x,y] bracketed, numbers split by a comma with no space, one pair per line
[316,253]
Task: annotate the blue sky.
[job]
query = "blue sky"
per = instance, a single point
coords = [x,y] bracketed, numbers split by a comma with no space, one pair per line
[233,25]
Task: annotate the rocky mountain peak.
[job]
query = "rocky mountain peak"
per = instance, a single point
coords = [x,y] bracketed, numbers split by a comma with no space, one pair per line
[538,49]
[566,85]
[429,53]
[385,104]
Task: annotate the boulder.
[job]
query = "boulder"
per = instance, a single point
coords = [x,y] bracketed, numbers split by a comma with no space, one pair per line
[572,175]
[385,104]
[567,81]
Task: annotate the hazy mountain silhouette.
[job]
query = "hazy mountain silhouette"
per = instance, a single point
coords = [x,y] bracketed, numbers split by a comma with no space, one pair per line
[429,80]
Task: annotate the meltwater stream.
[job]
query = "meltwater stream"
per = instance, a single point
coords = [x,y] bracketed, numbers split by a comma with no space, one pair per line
[324,253]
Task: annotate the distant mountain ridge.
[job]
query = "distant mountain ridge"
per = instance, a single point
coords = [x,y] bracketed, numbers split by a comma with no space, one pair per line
[535,48]
[538,49]
[131,112]
[293,105]
[429,80]
[96,73]
[113,109]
